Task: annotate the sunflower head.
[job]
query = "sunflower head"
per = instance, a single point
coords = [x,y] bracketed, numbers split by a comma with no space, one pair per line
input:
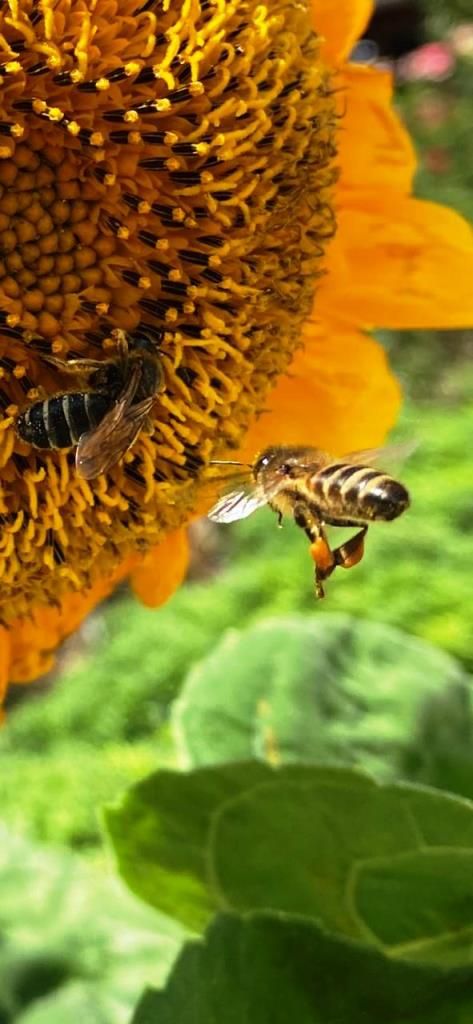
[165,167]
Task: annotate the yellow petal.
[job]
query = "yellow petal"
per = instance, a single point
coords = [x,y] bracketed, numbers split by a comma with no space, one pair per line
[398,262]
[341,23]
[374,148]
[162,570]
[339,394]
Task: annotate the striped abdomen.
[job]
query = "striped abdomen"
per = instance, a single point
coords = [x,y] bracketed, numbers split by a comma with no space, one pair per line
[343,491]
[59,422]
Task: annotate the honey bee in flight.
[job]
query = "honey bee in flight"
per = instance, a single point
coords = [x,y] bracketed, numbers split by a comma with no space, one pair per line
[317,490]
[105,419]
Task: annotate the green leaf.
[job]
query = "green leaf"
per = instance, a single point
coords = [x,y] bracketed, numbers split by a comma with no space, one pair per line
[430,897]
[160,833]
[268,969]
[317,689]
[387,865]
[325,843]
[70,937]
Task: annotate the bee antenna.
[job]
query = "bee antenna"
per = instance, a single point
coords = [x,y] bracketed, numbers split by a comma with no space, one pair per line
[225,462]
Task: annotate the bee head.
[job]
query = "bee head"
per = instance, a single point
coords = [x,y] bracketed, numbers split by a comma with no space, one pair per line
[145,339]
[281,461]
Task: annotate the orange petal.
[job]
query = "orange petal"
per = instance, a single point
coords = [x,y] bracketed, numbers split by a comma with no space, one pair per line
[33,641]
[4,661]
[162,570]
[339,394]
[375,150]
[400,263]
[340,23]
[28,647]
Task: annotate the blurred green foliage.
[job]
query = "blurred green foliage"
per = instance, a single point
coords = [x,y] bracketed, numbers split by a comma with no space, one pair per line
[300,688]
[442,14]
[74,946]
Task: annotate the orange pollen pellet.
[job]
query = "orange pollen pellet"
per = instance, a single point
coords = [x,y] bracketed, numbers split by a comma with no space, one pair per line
[321,553]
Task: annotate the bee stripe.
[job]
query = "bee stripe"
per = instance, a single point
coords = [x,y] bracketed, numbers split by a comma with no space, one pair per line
[55,423]
[331,478]
[77,415]
[340,469]
[67,416]
[96,405]
[88,408]
[355,487]
[378,482]
[34,430]
[45,414]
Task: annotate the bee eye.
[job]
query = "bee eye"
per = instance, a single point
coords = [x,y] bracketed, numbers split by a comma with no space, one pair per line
[261,463]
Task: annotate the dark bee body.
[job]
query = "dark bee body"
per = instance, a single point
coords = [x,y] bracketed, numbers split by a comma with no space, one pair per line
[60,422]
[318,490]
[109,412]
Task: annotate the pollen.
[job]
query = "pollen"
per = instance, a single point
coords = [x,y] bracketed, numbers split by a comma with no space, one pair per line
[168,168]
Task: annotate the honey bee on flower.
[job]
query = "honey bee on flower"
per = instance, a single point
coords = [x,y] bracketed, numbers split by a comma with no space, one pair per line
[104,420]
[220,176]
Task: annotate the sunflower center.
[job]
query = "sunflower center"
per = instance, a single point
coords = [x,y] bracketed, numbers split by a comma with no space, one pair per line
[50,239]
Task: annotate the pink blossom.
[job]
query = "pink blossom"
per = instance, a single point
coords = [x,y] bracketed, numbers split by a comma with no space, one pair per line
[432,62]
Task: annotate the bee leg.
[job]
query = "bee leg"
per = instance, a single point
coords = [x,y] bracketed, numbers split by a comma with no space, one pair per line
[320,550]
[350,553]
[121,341]
[324,559]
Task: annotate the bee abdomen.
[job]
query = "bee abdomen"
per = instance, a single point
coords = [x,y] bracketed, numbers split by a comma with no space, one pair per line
[60,421]
[360,493]
[376,495]
[82,412]
[387,499]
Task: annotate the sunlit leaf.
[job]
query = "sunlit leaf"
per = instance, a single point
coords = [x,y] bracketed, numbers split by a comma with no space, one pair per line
[160,835]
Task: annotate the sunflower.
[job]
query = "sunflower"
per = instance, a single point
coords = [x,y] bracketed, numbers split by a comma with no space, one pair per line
[215,174]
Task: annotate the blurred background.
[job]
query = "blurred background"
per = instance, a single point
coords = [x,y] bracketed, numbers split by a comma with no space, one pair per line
[389,679]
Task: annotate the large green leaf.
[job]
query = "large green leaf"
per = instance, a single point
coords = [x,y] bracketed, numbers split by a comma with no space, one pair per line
[271,969]
[70,938]
[160,834]
[390,865]
[326,843]
[327,687]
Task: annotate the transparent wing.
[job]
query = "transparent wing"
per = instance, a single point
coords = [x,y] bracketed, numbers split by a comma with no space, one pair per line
[391,456]
[79,367]
[99,449]
[237,504]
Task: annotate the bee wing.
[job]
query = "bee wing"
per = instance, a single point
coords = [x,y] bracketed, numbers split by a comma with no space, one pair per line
[99,449]
[391,455]
[238,504]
